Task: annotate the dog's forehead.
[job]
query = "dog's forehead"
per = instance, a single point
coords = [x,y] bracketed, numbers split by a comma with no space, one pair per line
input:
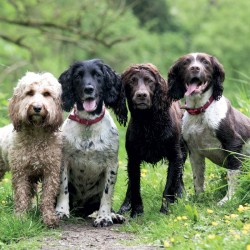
[198,56]
[143,73]
[87,66]
[38,81]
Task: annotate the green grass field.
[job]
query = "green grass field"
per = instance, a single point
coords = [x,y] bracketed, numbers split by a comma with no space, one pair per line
[193,223]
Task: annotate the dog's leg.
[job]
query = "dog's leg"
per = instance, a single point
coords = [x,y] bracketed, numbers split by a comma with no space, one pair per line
[232,176]
[198,168]
[105,217]
[50,189]
[62,206]
[174,183]
[126,205]
[134,174]
[22,192]
[2,168]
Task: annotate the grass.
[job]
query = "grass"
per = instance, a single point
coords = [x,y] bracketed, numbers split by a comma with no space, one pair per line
[193,223]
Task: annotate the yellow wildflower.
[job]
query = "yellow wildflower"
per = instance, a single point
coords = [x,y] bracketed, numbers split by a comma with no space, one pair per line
[210,211]
[179,218]
[248,247]
[214,223]
[211,236]
[144,172]
[240,208]
[233,216]
[184,217]
[237,236]
[246,227]
[245,232]
[166,244]
[211,176]
[172,239]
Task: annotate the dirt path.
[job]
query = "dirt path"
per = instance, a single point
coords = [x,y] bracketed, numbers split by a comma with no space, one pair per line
[85,236]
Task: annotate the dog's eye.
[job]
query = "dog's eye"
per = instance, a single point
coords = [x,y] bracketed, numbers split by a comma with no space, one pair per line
[205,62]
[186,62]
[30,93]
[77,77]
[133,80]
[46,94]
[97,74]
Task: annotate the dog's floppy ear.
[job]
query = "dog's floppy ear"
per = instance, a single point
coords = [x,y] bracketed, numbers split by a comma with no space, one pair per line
[68,97]
[217,78]
[176,88]
[114,95]
[160,100]
[14,104]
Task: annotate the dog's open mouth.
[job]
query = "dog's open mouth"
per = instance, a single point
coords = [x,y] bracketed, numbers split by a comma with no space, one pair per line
[195,86]
[89,104]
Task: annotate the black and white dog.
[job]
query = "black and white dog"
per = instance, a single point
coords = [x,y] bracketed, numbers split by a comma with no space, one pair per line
[212,128]
[91,142]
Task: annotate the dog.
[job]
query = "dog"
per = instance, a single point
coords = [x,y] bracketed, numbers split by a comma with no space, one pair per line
[153,134]
[31,146]
[91,142]
[212,128]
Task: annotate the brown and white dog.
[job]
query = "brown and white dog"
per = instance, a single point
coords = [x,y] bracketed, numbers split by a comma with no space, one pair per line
[212,128]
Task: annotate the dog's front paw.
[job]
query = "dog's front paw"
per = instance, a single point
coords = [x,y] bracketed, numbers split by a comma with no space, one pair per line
[117,218]
[62,211]
[126,207]
[61,215]
[137,211]
[223,201]
[103,221]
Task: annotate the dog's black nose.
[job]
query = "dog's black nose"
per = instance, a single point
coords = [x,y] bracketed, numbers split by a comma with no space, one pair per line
[141,94]
[89,89]
[195,68]
[37,109]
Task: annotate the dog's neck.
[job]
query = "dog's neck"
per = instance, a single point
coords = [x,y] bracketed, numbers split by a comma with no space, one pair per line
[199,100]
[86,118]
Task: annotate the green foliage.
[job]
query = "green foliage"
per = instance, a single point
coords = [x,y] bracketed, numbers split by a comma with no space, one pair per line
[153,15]
[49,35]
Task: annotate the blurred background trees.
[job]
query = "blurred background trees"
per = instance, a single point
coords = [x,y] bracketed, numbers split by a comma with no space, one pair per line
[48,35]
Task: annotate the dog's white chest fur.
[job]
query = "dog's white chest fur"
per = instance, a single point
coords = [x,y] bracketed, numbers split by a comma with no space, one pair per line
[199,130]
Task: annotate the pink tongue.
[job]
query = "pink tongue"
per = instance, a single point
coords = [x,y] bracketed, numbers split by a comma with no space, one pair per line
[190,89]
[89,106]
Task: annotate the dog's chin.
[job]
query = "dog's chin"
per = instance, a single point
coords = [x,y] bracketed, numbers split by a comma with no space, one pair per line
[36,119]
[142,106]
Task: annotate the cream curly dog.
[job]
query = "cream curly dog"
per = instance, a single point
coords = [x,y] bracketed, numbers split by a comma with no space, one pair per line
[31,146]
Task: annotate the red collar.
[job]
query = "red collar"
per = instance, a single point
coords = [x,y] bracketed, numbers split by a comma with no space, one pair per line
[87,122]
[201,109]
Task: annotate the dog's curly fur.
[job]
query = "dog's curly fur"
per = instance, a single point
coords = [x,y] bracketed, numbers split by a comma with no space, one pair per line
[153,134]
[31,146]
